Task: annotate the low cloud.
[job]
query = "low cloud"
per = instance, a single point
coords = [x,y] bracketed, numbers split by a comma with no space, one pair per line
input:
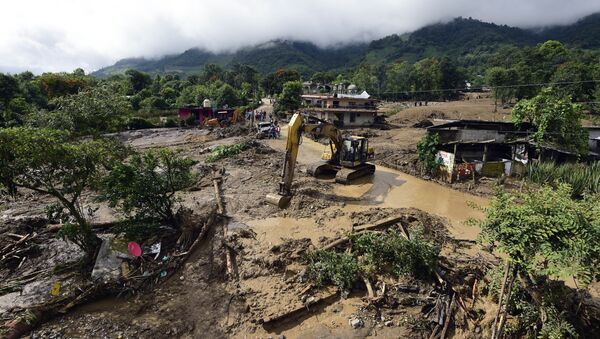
[62,35]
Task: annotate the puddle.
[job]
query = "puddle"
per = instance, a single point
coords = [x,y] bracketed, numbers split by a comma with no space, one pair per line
[391,188]
[272,230]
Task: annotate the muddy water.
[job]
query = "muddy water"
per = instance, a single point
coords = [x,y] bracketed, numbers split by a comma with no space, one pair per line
[390,188]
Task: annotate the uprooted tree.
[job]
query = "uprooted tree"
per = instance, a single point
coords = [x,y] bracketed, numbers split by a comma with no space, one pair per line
[145,187]
[547,236]
[50,162]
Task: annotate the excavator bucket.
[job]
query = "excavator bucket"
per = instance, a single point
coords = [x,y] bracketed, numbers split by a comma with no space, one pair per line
[278,200]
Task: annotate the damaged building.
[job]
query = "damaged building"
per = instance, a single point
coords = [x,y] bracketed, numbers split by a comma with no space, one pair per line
[492,149]
[344,106]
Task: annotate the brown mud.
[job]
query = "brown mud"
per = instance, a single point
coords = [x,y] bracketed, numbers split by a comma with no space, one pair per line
[209,298]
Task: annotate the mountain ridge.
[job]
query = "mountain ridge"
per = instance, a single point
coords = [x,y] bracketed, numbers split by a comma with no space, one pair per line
[462,39]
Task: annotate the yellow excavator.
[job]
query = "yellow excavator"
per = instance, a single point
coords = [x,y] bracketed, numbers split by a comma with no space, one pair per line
[347,157]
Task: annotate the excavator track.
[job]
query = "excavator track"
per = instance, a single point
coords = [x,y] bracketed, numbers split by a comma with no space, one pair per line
[347,175]
[322,168]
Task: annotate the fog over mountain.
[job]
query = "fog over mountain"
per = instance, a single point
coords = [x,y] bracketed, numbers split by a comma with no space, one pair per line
[65,34]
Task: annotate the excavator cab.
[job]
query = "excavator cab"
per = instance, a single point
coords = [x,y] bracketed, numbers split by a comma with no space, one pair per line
[355,151]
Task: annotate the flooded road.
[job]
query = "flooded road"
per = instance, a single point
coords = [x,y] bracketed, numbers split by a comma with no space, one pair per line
[391,188]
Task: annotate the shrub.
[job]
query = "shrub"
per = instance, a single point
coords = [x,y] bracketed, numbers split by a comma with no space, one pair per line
[391,253]
[340,269]
[373,254]
[145,187]
[139,123]
[225,151]
[171,123]
[427,149]
[191,120]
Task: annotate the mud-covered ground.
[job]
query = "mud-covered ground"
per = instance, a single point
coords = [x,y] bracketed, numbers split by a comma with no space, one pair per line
[265,283]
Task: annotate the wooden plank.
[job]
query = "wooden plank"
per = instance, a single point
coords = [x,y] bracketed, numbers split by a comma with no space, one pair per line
[384,223]
[298,312]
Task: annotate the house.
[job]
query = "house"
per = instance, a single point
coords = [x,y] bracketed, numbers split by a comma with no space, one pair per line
[344,107]
[204,113]
[492,148]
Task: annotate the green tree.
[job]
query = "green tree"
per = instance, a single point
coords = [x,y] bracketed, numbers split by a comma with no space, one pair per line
[451,78]
[146,186]
[572,75]
[227,95]
[137,80]
[365,77]
[56,85]
[556,118]
[9,88]
[273,83]
[290,98]
[48,162]
[212,72]
[96,110]
[546,235]
[428,78]
[399,80]
[501,80]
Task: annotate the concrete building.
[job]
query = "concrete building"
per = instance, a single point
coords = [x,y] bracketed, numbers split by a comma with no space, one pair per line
[348,109]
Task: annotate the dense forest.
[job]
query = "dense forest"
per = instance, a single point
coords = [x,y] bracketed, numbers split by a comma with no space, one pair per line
[467,41]
[79,102]
[433,63]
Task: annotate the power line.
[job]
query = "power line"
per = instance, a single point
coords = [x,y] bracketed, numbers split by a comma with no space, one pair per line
[493,87]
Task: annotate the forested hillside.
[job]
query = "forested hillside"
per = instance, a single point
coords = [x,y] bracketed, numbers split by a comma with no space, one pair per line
[468,42]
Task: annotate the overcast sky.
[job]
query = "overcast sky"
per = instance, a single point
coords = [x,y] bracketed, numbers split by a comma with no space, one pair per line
[61,35]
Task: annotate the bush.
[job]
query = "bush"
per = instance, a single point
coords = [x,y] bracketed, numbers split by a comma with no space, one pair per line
[171,123]
[340,269]
[427,149]
[391,253]
[191,120]
[139,123]
[145,187]
[225,151]
[373,254]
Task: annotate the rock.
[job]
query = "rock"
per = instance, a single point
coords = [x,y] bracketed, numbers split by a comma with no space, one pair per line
[388,323]
[281,336]
[337,308]
[356,323]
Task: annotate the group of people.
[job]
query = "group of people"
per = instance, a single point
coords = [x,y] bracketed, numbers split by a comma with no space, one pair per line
[258,115]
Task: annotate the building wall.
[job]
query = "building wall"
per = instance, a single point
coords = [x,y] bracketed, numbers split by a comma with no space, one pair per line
[594,144]
[360,119]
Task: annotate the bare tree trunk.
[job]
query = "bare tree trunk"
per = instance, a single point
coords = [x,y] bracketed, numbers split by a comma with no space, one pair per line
[508,293]
[500,299]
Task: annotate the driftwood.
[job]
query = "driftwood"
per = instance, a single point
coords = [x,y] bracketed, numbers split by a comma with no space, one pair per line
[272,322]
[384,223]
[229,252]
[448,317]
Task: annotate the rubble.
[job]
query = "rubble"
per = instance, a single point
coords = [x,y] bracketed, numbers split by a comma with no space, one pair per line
[236,267]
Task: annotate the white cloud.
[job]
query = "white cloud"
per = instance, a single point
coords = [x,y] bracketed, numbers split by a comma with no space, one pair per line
[61,35]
